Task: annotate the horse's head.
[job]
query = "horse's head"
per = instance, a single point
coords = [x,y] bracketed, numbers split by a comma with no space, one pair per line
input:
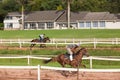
[84,51]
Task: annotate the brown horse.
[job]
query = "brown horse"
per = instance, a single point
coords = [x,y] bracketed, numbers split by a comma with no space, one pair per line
[34,41]
[77,58]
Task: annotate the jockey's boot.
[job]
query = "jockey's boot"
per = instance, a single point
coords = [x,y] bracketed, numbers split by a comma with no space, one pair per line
[71,57]
[41,40]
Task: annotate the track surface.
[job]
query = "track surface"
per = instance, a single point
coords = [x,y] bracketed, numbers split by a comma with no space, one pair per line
[31,74]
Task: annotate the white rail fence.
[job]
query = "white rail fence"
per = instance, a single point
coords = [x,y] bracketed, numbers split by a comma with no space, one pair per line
[94,41]
[91,58]
[57,68]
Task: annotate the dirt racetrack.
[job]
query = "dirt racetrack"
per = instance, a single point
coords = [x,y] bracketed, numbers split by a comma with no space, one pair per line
[31,74]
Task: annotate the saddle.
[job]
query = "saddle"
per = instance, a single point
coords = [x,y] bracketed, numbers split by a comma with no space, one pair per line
[67,56]
[41,40]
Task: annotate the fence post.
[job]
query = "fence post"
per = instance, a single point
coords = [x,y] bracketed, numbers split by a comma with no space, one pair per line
[1,41]
[38,72]
[90,62]
[73,41]
[65,41]
[19,43]
[116,41]
[53,40]
[10,41]
[28,60]
[56,44]
[112,41]
[95,43]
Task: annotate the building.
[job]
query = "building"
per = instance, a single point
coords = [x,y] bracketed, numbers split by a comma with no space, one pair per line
[58,20]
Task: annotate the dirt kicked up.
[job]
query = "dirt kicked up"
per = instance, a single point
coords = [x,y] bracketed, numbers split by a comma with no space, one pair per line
[31,74]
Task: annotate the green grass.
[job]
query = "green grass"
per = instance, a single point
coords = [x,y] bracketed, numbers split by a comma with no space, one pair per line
[69,33]
[94,52]
[97,64]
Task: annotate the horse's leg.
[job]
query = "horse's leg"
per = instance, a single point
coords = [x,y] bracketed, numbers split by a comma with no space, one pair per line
[73,63]
[41,46]
[31,45]
[83,73]
[61,63]
[44,45]
[64,73]
[82,65]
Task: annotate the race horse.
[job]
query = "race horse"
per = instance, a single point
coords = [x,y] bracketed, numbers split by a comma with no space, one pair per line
[77,58]
[34,41]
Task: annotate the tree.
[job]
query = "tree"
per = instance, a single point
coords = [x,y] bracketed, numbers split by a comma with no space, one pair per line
[50,4]
[68,11]
[35,5]
[9,5]
[113,6]
[59,7]
[22,3]
[2,12]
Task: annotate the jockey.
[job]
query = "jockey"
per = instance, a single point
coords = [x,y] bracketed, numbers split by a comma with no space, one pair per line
[41,36]
[71,48]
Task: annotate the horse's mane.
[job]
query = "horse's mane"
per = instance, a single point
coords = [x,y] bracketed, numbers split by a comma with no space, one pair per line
[46,37]
[79,51]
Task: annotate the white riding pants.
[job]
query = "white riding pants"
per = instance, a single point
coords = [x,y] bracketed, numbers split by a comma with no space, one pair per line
[70,52]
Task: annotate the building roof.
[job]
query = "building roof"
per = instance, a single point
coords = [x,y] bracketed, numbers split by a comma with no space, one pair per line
[74,16]
[93,16]
[118,16]
[14,14]
[42,16]
[60,16]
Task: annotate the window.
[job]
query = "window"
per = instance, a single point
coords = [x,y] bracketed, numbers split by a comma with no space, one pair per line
[50,25]
[32,26]
[9,25]
[26,26]
[61,25]
[95,23]
[88,24]
[102,23]
[82,24]
[8,17]
[41,25]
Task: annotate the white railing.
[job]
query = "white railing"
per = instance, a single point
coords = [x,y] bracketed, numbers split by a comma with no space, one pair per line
[91,58]
[38,68]
[56,42]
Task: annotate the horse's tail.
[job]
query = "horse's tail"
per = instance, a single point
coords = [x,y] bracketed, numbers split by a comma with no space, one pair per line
[32,40]
[31,45]
[47,61]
